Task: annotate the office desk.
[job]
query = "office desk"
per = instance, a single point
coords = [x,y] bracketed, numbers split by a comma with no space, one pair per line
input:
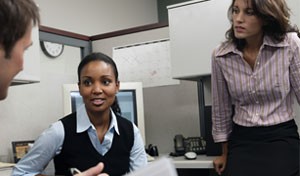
[203,165]
[6,168]
[202,162]
[5,171]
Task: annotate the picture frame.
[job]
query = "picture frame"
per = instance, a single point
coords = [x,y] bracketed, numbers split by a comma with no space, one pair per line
[20,148]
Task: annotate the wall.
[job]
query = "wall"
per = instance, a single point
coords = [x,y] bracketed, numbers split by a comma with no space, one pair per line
[162,8]
[295,12]
[31,108]
[168,109]
[95,17]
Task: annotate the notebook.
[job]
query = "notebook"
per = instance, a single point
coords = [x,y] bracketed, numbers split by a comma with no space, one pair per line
[159,167]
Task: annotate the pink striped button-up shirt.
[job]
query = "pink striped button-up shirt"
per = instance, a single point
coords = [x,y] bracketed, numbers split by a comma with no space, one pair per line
[262,96]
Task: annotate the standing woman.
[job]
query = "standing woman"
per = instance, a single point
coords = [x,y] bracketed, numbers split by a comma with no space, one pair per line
[258,71]
[95,133]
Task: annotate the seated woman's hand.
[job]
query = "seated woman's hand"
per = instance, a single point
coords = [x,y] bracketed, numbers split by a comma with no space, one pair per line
[94,171]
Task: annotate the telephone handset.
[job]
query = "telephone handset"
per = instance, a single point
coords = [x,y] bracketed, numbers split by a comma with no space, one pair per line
[190,144]
[179,144]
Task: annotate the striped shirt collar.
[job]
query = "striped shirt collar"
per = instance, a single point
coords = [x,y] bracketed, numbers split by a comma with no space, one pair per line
[229,47]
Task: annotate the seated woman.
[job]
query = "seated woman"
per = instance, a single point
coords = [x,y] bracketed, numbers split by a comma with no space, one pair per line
[95,133]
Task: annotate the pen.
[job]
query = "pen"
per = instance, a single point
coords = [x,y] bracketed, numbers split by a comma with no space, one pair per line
[75,171]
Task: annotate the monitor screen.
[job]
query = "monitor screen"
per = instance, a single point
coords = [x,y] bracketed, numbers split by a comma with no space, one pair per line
[130,98]
[126,99]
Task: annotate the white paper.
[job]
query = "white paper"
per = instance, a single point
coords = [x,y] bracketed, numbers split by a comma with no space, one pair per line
[160,167]
[6,165]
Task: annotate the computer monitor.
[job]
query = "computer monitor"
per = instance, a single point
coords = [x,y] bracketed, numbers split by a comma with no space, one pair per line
[130,98]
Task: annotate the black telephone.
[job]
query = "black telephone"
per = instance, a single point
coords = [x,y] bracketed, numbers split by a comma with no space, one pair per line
[190,144]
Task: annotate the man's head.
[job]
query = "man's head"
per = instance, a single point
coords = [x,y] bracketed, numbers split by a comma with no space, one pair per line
[17,17]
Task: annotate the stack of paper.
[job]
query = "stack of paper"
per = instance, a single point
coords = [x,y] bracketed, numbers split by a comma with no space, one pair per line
[6,165]
[6,168]
[160,167]
[150,158]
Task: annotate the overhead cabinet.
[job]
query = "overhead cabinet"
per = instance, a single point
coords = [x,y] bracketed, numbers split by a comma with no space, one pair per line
[31,70]
[196,28]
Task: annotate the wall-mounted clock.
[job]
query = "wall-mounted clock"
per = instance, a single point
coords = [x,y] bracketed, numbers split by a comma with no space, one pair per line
[51,49]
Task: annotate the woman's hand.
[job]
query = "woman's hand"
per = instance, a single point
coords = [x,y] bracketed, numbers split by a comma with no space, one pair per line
[220,161]
[93,171]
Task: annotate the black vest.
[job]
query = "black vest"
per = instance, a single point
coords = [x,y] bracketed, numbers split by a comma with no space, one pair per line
[78,151]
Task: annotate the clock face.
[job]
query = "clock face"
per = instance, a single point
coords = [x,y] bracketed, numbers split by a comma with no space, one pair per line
[51,49]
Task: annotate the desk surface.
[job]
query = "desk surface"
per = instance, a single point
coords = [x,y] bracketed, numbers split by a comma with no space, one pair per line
[5,171]
[202,162]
